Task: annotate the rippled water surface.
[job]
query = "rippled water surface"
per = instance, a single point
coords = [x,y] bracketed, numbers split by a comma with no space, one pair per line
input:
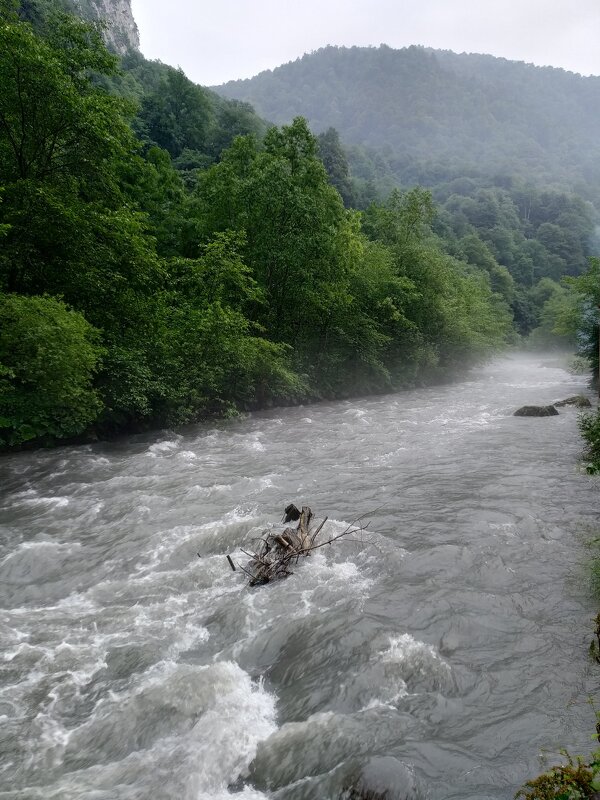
[438,658]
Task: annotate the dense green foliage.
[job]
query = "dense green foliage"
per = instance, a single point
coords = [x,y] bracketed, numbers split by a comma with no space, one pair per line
[434,115]
[193,124]
[589,425]
[165,255]
[48,355]
[524,238]
[587,322]
[575,780]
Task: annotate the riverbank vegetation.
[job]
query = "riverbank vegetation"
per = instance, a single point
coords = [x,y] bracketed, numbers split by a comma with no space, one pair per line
[575,780]
[585,320]
[579,778]
[589,425]
[167,255]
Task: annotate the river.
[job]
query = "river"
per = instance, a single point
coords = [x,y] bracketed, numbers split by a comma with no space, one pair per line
[438,657]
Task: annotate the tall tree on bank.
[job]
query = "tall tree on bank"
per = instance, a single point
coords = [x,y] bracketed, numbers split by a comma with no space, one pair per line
[64,143]
[335,161]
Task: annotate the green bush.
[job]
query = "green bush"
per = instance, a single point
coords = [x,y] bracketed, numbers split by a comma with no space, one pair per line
[575,780]
[589,424]
[48,355]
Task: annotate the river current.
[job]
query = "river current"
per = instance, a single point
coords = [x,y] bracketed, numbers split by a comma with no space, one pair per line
[437,658]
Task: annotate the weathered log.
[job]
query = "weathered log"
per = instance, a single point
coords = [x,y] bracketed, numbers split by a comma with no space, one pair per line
[304,527]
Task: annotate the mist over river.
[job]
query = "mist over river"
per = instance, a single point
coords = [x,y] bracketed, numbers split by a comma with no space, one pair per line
[440,657]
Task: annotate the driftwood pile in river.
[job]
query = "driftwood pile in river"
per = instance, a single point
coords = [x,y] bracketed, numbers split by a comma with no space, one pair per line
[278,551]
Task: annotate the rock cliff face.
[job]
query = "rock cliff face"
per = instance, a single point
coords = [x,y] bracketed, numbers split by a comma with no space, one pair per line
[122,32]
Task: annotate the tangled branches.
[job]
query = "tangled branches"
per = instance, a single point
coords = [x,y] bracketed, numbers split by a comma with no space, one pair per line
[276,552]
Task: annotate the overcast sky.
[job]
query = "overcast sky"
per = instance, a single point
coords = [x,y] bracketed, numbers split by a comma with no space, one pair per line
[221,40]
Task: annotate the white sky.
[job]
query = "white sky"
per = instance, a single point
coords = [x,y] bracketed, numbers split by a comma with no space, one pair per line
[226,39]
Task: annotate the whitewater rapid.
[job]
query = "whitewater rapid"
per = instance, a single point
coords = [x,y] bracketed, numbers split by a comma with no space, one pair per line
[439,656]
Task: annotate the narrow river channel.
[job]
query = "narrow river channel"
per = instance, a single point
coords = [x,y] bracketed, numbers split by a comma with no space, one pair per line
[439,657]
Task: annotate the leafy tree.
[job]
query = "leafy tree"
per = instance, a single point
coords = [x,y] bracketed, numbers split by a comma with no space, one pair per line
[587,322]
[177,115]
[298,235]
[455,311]
[54,125]
[336,163]
[210,356]
[64,146]
[558,308]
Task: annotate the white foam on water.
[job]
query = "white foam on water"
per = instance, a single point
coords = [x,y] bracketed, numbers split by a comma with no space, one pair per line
[257,446]
[40,548]
[197,491]
[174,622]
[218,717]
[243,486]
[229,733]
[253,443]
[318,584]
[25,493]
[355,412]
[177,547]
[407,666]
[187,455]
[52,502]
[164,447]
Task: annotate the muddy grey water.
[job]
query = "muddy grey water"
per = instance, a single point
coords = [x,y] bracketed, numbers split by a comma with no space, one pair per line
[440,657]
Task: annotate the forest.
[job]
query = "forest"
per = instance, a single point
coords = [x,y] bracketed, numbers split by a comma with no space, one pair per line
[166,254]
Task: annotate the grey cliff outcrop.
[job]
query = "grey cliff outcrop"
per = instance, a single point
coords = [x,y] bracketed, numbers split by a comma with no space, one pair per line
[121,33]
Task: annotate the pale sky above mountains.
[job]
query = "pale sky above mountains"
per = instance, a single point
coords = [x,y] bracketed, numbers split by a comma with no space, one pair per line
[219,41]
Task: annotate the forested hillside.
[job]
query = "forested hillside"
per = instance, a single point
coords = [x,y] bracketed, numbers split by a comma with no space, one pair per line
[434,115]
[156,266]
[166,254]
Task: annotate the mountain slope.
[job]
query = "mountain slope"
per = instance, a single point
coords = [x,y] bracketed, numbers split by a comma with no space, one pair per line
[445,112]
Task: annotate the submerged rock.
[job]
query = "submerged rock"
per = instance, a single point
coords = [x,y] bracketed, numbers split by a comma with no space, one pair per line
[536,411]
[578,400]
[384,778]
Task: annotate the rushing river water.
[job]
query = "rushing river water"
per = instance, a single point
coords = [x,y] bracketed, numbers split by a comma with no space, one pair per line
[438,658]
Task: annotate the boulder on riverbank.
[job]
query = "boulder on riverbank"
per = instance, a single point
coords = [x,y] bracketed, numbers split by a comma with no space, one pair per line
[578,400]
[536,411]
